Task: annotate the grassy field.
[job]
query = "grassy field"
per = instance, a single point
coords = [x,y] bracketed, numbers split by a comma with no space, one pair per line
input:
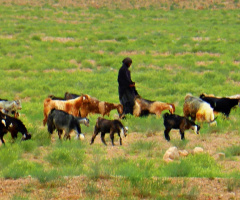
[51,47]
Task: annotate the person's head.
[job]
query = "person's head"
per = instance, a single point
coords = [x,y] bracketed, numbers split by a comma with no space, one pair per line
[127,61]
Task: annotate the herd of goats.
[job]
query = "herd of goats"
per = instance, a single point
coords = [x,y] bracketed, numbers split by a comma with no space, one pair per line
[67,113]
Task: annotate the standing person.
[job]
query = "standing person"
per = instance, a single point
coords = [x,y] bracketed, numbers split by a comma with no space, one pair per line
[126,87]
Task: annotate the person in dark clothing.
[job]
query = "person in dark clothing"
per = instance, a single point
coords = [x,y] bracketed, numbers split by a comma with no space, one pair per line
[126,87]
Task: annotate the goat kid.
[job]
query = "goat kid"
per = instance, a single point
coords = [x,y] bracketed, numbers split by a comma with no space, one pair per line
[109,126]
[12,125]
[173,121]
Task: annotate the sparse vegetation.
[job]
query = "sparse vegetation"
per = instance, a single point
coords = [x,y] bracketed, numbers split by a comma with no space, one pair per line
[50,47]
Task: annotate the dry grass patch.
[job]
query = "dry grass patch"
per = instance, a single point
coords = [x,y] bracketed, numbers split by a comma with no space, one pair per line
[82,187]
[200,38]
[58,39]
[204,63]
[236,62]
[6,36]
[74,62]
[131,53]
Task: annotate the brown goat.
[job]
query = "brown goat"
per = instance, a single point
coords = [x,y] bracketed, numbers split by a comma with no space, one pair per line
[104,126]
[143,106]
[93,105]
[70,106]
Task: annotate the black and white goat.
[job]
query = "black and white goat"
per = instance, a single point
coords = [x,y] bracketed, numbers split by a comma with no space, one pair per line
[62,121]
[173,121]
[223,105]
[109,126]
[12,125]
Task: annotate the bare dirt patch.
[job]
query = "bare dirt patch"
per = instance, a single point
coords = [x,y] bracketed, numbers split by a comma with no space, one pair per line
[83,187]
[58,39]
[78,188]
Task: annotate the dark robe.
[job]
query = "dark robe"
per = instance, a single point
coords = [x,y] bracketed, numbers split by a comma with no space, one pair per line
[126,92]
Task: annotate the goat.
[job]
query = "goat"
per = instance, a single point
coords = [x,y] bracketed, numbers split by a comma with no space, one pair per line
[94,106]
[68,96]
[62,121]
[223,105]
[12,125]
[10,107]
[173,121]
[109,126]
[53,97]
[236,96]
[70,106]
[197,109]
[145,107]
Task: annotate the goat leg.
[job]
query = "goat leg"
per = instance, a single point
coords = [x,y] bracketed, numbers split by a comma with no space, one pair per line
[112,137]
[93,137]
[67,136]
[182,134]
[166,134]
[60,134]
[103,139]
[3,142]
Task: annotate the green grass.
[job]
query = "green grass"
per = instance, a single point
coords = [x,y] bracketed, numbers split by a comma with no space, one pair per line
[232,151]
[44,50]
[202,165]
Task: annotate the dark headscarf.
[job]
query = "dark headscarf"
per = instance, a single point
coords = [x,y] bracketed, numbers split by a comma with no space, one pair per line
[127,61]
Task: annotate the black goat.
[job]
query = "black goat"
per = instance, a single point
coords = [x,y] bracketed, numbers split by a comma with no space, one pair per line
[173,121]
[62,121]
[53,97]
[109,126]
[12,125]
[223,105]
[68,96]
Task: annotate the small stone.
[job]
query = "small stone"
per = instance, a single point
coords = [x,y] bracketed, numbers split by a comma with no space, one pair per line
[183,153]
[172,154]
[197,150]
